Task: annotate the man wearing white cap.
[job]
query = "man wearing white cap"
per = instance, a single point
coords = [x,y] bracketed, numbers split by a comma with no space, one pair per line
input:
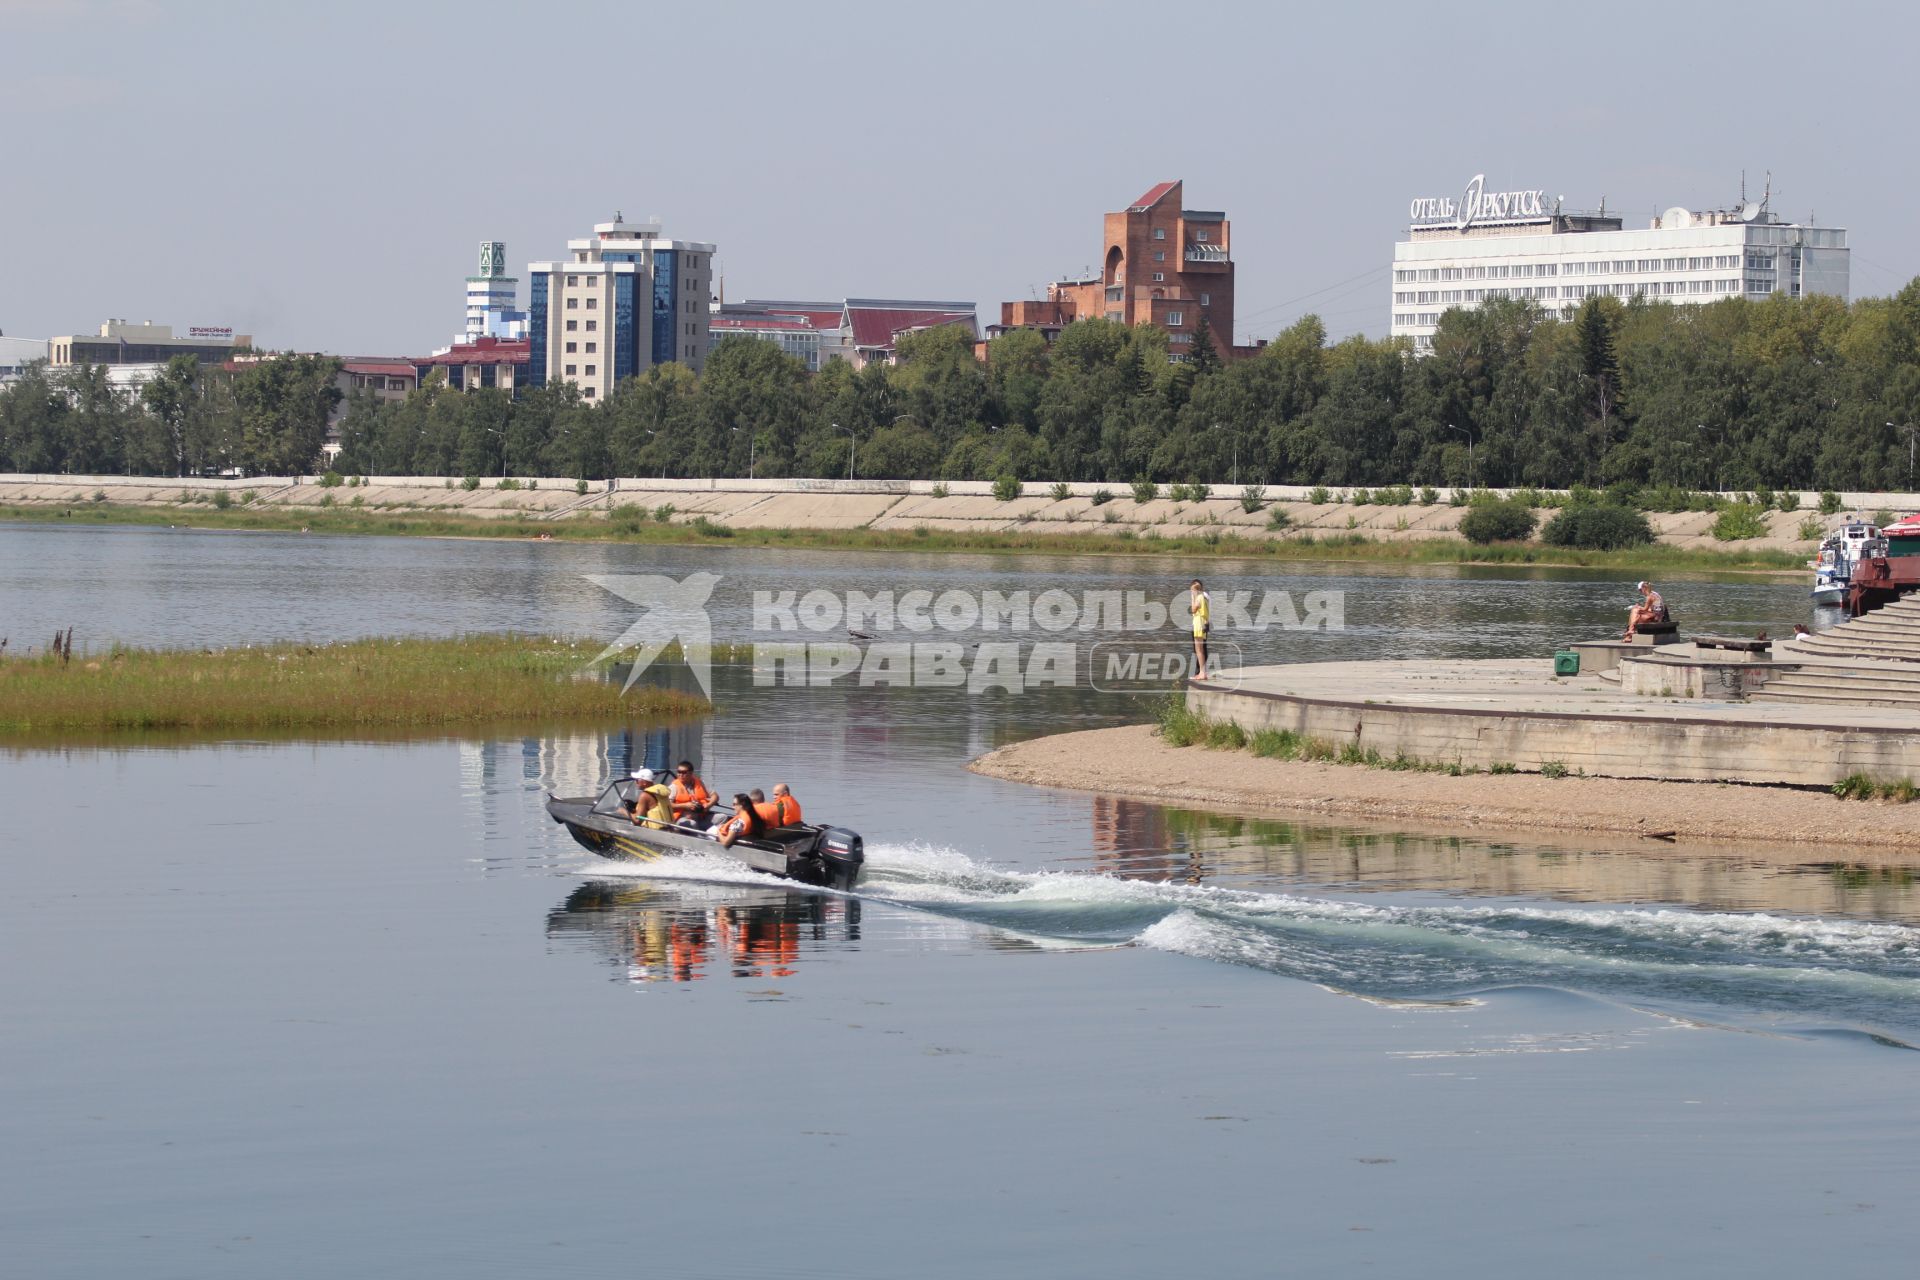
[651,805]
[1651,609]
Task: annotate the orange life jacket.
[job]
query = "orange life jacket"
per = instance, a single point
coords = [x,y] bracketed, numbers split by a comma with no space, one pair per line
[686,797]
[788,810]
[769,812]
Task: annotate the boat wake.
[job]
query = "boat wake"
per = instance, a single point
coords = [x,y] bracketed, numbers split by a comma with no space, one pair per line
[1825,972]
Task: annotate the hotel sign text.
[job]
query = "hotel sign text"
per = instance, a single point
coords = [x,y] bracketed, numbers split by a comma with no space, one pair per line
[1477,204]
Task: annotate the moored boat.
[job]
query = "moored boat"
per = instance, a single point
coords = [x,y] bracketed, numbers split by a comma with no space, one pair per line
[832,857]
[1845,545]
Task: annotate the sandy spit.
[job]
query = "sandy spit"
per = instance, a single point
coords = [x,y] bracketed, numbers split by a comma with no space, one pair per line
[1133,761]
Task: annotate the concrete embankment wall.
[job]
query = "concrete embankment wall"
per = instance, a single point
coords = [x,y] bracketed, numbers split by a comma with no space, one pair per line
[962,506]
[1658,746]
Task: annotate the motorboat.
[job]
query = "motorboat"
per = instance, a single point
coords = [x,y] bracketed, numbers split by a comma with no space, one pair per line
[832,857]
[1845,545]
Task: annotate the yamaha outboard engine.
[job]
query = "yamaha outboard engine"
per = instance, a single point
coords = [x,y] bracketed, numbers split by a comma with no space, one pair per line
[842,854]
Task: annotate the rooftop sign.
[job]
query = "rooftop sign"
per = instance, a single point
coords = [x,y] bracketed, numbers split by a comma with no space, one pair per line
[223,333]
[1477,204]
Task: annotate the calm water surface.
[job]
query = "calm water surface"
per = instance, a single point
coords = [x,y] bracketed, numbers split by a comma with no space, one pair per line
[316,1009]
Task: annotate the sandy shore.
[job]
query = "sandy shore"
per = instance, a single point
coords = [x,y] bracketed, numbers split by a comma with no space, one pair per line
[1133,761]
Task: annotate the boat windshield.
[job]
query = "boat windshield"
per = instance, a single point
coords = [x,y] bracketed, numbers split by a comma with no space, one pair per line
[623,792]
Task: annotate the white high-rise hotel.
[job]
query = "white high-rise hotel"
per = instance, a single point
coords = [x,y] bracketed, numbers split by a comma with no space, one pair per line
[1518,244]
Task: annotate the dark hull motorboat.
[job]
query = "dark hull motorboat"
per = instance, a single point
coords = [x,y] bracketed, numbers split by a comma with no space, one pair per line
[832,857]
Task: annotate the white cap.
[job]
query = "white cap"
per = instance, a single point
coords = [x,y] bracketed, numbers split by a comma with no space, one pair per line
[642,775]
[1642,586]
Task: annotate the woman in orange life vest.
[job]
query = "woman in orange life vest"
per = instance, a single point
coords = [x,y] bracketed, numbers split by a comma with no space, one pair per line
[692,802]
[745,822]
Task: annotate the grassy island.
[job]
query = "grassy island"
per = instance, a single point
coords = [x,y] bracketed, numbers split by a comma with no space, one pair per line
[381,685]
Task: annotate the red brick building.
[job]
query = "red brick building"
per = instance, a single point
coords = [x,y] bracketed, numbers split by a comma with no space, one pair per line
[1161,265]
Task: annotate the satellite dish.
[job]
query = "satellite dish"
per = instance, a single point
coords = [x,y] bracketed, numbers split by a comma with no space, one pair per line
[1676,217]
[1750,212]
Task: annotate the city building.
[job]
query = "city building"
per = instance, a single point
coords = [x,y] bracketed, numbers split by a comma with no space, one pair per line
[382,377]
[493,299]
[1518,244]
[485,362]
[1161,264]
[623,301]
[134,354]
[858,330]
[17,353]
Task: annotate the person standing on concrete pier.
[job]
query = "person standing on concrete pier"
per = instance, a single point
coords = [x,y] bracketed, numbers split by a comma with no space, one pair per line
[1200,605]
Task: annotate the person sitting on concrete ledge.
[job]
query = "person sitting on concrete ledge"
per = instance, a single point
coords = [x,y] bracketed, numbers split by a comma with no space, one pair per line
[1650,609]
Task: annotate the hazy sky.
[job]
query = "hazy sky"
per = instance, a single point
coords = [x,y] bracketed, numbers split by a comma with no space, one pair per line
[319,174]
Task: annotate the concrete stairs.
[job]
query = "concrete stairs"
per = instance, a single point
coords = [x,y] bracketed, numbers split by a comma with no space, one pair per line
[1872,661]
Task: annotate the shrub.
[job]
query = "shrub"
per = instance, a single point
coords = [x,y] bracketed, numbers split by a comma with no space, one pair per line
[359,500]
[1177,492]
[1197,492]
[1394,495]
[470,483]
[1527,497]
[579,487]
[1226,736]
[1318,495]
[1883,517]
[1763,498]
[1502,766]
[1810,528]
[507,482]
[1738,522]
[1901,792]
[1554,769]
[533,484]
[1353,522]
[708,529]
[330,480]
[1109,517]
[246,496]
[99,495]
[1429,495]
[1829,503]
[222,499]
[1787,500]
[1101,497]
[940,490]
[1855,786]
[1180,727]
[1459,498]
[1276,744]
[1360,498]
[1005,488]
[663,514]
[1145,490]
[326,499]
[1253,497]
[1500,520]
[1061,491]
[627,517]
[1597,527]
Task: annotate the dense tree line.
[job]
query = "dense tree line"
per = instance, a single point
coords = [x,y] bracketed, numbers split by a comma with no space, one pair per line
[1734,395]
[262,417]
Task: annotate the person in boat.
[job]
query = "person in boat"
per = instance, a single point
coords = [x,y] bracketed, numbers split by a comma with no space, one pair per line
[745,823]
[691,801]
[1650,609]
[768,811]
[651,804]
[786,808]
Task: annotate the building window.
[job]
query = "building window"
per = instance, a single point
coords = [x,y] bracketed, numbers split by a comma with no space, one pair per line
[592,347]
[570,348]
[592,303]
[1174,318]
[588,393]
[574,324]
[573,304]
[592,325]
[1201,236]
[1159,276]
[573,282]
[590,371]
[1159,255]
[1159,233]
[571,371]
[1206,299]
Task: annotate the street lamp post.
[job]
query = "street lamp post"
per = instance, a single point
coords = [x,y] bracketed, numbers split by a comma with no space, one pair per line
[851,441]
[1469,435]
[1911,429]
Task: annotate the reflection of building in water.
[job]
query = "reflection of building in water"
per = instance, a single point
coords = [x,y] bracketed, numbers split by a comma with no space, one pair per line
[1131,838]
[674,933]
[580,764]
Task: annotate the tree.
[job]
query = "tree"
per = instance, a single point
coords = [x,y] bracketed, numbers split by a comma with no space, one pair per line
[1201,353]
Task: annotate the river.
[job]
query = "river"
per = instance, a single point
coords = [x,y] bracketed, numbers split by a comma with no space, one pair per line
[325,1008]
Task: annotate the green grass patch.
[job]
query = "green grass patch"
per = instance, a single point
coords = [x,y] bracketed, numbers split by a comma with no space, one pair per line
[376,684]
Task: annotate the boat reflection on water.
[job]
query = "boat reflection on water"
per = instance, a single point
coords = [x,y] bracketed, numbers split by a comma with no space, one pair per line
[664,932]
[1137,840]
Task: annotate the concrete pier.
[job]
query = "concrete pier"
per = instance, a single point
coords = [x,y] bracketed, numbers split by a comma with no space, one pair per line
[1483,714]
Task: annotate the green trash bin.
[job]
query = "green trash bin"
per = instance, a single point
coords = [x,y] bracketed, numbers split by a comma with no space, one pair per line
[1566,663]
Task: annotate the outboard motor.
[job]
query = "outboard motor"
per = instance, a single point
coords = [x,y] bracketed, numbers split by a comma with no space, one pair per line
[842,854]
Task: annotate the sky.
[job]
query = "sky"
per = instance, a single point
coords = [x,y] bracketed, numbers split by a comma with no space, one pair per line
[320,175]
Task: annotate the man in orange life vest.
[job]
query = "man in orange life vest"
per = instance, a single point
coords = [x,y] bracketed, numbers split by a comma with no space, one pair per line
[781,811]
[692,802]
